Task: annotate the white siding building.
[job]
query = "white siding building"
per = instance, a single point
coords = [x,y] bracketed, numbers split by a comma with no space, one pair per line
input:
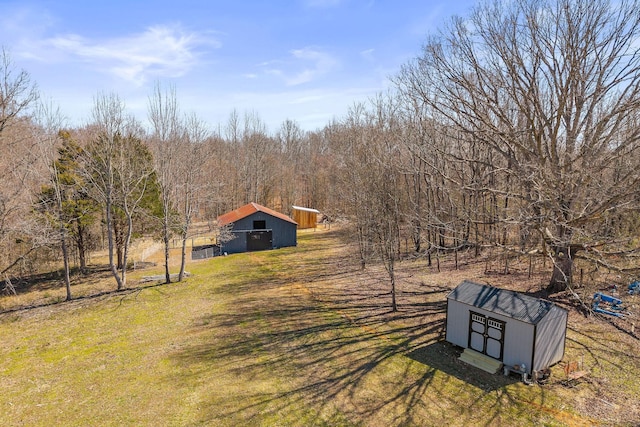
[508,326]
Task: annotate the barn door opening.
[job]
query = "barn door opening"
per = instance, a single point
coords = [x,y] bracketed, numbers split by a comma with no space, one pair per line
[259,240]
[486,335]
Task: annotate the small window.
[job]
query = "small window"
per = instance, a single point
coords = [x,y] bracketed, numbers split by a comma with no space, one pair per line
[495,324]
[477,318]
[259,225]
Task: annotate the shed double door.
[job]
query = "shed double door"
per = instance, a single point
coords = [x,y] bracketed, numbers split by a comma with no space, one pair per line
[486,335]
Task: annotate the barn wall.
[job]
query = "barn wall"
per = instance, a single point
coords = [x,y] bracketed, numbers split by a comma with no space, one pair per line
[237,245]
[550,339]
[284,232]
[246,223]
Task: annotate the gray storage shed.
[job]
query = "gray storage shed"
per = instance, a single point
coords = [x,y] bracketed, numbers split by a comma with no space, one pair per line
[509,326]
[256,228]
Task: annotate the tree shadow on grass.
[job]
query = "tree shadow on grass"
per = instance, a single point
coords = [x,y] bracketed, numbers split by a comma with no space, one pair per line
[83,299]
[353,361]
[312,341]
[54,280]
[443,357]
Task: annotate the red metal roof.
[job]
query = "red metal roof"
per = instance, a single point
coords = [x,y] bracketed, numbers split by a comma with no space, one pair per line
[250,209]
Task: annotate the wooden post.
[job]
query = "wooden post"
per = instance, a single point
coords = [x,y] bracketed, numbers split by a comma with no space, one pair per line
[581,277]
[456,256]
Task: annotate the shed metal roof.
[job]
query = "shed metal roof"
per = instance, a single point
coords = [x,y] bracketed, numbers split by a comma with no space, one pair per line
[250,209]
[300,208]
[508,303]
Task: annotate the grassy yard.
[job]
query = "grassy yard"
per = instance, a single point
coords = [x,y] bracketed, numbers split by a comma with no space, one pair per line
[293,337]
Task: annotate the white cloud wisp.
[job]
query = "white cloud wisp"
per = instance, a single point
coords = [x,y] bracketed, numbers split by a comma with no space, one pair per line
[160,51]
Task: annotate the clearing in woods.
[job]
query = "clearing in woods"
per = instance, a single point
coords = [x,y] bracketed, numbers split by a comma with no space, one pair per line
[298,336]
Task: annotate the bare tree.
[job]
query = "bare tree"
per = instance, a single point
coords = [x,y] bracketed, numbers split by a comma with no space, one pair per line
[258,151]
[223,234]
[385,185]
[369,153]
[48,138]
[17,92]
[20,233]
[135,182]
[349,144]
[109,118]
[552,88]
[163,112]
[194,154]
[119,169]
[79,208]
[293,164]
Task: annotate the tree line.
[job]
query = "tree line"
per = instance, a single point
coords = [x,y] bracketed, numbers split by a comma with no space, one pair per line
[515,129]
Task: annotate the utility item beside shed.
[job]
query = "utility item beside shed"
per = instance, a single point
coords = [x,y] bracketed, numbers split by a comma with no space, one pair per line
[508,326]
[256,228]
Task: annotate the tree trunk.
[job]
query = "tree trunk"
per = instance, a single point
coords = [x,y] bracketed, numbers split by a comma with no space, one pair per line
[125,256]
[165,238]
[119,264]
[562,275]
[65,259]
[118,242]
[82,248]
[110,239]
[417,235]
[394,305]
[183,257]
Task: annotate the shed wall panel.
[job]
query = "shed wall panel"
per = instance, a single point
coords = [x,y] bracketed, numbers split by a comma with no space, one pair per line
[550,339]
[457,330]
[518,343]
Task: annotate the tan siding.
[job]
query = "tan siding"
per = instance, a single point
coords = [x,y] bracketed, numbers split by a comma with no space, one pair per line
[305,219]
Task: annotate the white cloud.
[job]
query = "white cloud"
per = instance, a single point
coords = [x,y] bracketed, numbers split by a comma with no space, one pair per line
[159,51]
[311,108]
[19,21]
[310,62]
[367,54]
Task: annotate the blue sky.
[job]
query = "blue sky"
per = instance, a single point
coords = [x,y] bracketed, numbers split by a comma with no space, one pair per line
[304,60]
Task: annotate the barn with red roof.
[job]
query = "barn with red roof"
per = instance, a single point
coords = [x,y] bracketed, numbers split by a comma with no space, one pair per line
[256,228]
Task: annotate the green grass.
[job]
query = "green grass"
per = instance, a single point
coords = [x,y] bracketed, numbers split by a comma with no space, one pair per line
[294,337]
